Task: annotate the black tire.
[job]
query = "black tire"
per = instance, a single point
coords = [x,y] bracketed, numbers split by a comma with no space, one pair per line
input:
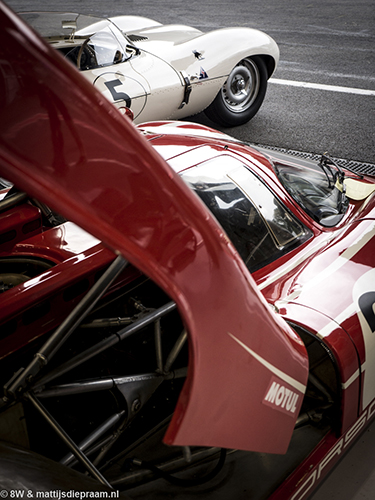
[242,94]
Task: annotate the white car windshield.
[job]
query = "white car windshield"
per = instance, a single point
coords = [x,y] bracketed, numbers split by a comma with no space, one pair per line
[88,42]
[97,51]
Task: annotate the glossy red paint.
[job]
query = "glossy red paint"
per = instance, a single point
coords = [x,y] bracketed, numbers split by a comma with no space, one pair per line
[17,225]
[96,169]
[319,284]
[51,285]
[343,350]
[335,283]
[63,143]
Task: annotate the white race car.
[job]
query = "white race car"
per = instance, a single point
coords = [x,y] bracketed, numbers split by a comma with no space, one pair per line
[166,71]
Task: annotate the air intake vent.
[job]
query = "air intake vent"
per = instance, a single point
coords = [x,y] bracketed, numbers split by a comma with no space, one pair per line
[137,38]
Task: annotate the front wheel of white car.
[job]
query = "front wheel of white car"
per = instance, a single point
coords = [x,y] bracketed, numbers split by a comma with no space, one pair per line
[242,94]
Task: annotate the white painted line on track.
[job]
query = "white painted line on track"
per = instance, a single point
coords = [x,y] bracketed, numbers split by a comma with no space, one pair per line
[332,88]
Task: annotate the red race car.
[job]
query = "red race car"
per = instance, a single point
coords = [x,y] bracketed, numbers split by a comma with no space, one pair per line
[170,295]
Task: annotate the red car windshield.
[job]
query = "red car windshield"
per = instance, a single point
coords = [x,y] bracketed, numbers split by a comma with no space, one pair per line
[257,223]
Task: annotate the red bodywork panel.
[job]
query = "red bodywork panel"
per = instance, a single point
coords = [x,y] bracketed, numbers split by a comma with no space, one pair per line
[326,285]
[64,144]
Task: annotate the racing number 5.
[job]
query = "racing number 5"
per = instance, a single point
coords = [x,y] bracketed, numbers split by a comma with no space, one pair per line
[118,96]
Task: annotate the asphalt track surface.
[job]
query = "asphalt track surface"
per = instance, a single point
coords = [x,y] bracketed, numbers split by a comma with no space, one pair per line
[321,98]
[327,43]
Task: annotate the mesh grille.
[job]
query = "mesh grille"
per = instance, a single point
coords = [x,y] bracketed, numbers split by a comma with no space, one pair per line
[137,38]
[356,166]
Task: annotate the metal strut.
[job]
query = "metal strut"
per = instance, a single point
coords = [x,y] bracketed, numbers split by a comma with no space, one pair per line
[24,376]
[107,343]
[67,440]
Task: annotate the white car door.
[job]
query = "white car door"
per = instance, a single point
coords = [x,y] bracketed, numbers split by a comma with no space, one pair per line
[167,86]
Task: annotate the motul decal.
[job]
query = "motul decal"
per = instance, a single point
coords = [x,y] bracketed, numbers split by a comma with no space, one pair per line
[281,397]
